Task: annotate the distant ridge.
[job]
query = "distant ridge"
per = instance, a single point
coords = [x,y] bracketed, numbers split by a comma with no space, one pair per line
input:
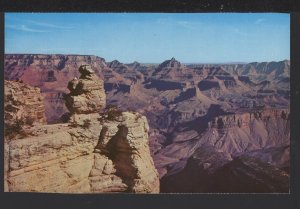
[147,63]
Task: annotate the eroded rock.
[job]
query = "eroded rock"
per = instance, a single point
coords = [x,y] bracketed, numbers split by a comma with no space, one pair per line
[23,103]
[97,154]
[87,93]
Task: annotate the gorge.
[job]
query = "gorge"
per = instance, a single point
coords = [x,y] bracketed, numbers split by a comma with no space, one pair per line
[212,127]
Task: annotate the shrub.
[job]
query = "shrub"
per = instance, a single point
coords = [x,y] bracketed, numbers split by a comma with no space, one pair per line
[108,107]
[113,114]
[65,117]
[29,120]
[110,113]
[15,128]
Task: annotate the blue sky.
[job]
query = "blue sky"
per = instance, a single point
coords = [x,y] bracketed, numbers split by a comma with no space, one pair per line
[152,37]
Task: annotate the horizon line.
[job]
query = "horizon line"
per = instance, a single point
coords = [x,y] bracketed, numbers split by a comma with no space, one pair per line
[186,63]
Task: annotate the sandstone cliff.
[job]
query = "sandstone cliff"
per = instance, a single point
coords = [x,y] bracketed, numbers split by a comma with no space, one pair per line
[23,104]
[92,153]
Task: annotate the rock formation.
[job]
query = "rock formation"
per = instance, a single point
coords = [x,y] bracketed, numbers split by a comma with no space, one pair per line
[87,93]
[93,153]
[51,73]
[75,160]
[23,107]
[123,152]
[23,103]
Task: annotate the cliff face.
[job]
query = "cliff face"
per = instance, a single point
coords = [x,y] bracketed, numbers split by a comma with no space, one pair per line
[125,145]
[23,103]
[23,108]
[242,132]
[242,152]
[247,133]
[92,153]
[70,160]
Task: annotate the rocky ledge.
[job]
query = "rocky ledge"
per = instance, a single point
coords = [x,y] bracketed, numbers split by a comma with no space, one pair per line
[93,153]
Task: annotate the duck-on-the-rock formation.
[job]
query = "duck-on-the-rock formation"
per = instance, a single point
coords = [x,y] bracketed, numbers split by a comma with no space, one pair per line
[93,153]
[87,94]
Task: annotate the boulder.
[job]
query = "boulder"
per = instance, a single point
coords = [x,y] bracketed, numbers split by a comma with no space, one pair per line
[87,94]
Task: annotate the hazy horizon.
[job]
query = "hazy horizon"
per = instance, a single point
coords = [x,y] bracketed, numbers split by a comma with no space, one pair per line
[152,37]
[152,63]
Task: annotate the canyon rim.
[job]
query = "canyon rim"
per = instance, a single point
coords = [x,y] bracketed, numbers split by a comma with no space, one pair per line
[77,123]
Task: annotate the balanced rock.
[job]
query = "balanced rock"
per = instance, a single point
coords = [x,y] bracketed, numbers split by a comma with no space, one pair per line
[87,94]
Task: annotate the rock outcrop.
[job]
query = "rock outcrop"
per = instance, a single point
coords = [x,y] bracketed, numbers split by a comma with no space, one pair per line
[99,153]
[87,93]
[77,160]
[123,152]
[23,104]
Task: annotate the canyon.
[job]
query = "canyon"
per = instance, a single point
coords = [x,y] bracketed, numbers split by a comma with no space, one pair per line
[212,127]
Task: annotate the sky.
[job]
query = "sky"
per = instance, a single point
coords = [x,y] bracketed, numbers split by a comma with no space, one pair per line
[152,37]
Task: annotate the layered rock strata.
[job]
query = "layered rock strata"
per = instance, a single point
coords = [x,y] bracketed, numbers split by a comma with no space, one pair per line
[257,133]
[241,132]
[93,153]
[23,103]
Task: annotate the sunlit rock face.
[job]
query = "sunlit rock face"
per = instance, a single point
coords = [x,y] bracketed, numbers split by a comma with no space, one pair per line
[92,153]
[23,103]
[87,93]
